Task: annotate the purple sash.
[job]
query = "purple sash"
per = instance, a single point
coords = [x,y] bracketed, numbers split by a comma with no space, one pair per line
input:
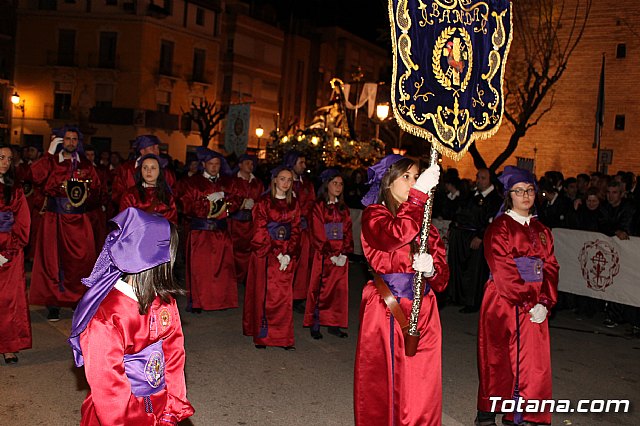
[530,268]
[333,230]
[279,231]
[61,205]
[401,284]
[6,221]
[243,215]
[145,370]
[200,224]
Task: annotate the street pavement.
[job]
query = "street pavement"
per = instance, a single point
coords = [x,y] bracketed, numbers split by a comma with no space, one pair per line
[229,382]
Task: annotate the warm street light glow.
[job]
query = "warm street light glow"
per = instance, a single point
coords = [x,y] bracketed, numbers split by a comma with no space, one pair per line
[382,111]
[259,131]
[314,140]
[15,98]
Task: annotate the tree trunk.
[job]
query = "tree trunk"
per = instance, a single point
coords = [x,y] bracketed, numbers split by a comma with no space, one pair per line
[511,147]
[478,161]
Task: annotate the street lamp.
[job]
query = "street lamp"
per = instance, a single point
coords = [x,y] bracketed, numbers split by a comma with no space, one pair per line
[259,133]
[19,104]
[382,111]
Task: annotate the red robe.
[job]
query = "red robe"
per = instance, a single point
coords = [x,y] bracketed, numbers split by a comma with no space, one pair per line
[35,200]
[118,329]
[389,387]
[211,275]
[65,249]
[329,286]
[242,229]
[124,178]
[506,239]
[268,295]
[97,208]
[14,309]
[151,204]
[306,196]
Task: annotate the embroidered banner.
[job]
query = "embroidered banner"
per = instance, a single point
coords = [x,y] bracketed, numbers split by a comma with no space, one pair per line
[449,59]
[594,265]
[237,129]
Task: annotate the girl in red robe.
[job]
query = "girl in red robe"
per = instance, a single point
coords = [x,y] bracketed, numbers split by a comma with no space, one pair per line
[514,359]
[331,237]
[14,236]
[126,330]
[268,314]
[151,192]
[391,388]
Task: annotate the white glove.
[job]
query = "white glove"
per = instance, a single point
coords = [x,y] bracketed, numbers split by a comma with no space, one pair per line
[428,179]
[341,260]
[334,260]
[54,145]
[3,260]
[248,203]
[215,196]
[423,263]
[284,261]
[538,313]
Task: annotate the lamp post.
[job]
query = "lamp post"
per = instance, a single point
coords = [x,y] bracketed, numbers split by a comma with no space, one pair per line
[382,111]
[19,104]
[259,133]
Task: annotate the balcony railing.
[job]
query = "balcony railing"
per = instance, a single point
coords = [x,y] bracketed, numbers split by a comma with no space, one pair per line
[98,61]
[61,59]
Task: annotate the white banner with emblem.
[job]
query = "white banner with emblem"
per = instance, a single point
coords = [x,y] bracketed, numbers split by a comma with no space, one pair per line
[594,265]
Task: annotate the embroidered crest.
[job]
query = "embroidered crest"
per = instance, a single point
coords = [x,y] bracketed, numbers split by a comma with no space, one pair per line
[600,263]
[154,369]
[165,318]
[543,238]
[449,60]
[77,191]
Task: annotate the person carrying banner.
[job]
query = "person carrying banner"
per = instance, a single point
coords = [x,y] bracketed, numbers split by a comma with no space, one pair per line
[267,314]
[514,359]
[390,387]
[126,330]
[14,235]
[332,239]
[248,188]
[65,248]
[206,199]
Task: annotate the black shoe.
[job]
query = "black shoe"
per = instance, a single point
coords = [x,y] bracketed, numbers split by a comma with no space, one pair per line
[289,348]
[337,332]
[468,310]
[10,359]
[53,315]
[609,323]
[196,310]
[261,346]
[298,306]
[316,334]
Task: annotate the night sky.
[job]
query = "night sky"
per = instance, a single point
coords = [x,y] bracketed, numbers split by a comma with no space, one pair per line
[367,19]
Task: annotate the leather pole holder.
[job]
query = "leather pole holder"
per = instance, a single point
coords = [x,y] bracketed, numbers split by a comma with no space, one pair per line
[392,303]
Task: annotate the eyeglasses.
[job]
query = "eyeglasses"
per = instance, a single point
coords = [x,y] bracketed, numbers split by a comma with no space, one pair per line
[520,192]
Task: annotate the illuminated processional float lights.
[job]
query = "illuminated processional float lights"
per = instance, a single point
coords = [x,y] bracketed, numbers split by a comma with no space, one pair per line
[449,59]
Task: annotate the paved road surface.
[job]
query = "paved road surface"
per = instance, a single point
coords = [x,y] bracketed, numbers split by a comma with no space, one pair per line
[229,382]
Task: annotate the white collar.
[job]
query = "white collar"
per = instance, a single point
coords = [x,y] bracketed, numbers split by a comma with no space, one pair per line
[522,220]
[281,197]
[126,289]
[61,157]
[335,201]
[2,179]
[454,195]
[486,191]
[251,176]
[146,185]
[299,178]
[553,200]
[208,176]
